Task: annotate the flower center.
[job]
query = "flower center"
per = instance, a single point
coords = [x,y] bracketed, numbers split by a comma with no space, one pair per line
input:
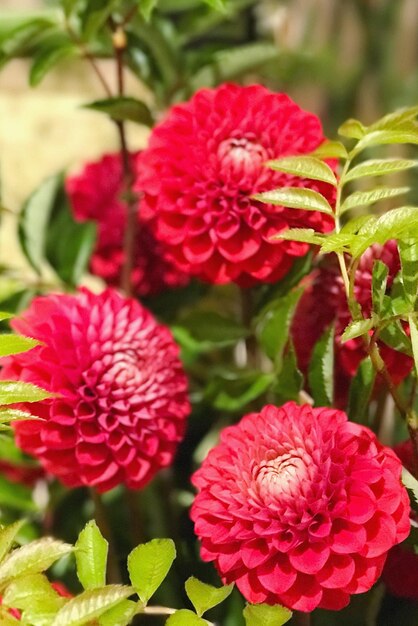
[241,156]
[282,474]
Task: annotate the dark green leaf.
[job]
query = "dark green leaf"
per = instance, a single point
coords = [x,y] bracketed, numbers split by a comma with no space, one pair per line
[90,605]
[408,251]
[358,328]
[205,597]
[208,326]
[123,109]
[184,617]
[394,336]
[12,392]
[365,198]
[149,564]
[379,284]
[296,198]
[300,268]
[91,557]
[360,391]
[49,56]
[352,129]
[304,166]
[414,339]
[289,382]
[331,150]
[232,390]
[266,615]
[95,15]
[321,370]
[379,167]
[274,325]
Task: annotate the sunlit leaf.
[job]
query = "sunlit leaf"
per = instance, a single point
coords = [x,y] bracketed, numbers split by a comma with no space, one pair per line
[304,235]
[408,252]
[379,167]
[382,137]
[352,129]
[357,328]
[379,283]
[184,617]
[266,615]
[32,558]
[90,605]
[204,596]
[120,615]
[35,593]
[91,557]
[331,150]
[411,484]
[149,564]
[393,335]
[11,415]
[8,535]
[12,392]
[14,344]
[365,198]
[296,198]
[304,166]
[321,370]
[413,328]
[393,120]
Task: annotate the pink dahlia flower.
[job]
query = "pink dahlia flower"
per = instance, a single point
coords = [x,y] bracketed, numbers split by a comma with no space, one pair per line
[121,394]
[298,506]
[324,302]
[95,194]
[400,573]
[204,163]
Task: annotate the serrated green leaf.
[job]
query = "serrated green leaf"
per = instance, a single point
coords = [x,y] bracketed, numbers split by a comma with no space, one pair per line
[34,219]
[394,224]
[34,593]
[393,120]
[411,484]
[91,551]
[321,370]
[289,381]
[48,57]
[337,242]
[355,224]
[6,619]
[357,328]
[8,536]
[394,336]
[366,198]
[273,328]
[353,129]
[304,235]
[296,198]
[379,284]
[14,344]
[408,252]
[304,166]
[378,167]
[385,137]
[149,564]
[90,605]
[123,109]
[184,617]
[413,329]
[360,391]
[120,615]
[205,597]
[331,150]
[11,415]
[266,615]
[32,558]
[12,392]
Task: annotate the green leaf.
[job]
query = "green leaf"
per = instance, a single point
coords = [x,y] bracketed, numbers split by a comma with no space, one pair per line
[90,605]
[331,150]
[266,615]
[12,392]
[4,315]
[149,564]
[14,344]
[34,593]
[379,167]
[232,390]
[304,235]
[123,109]
[184,617]
[11,415]
[385,137]
[95,15]
[394,336]
[6,619]
[393,120]
[408,252]
[358,328]
[289,382]
[146,8]
[120,615]
[337,242]
[273,329]
[413,329]
[353,129]
[16,496]
[365,198]
[218,5]
[321,370]
[296,198]
[360,391]
[205,597]
[300,268]
[91,551]
[304,166]
[411,484]
[394,224]
[379,284]
[49,56]
[209,326]
[32,558]
[34,219]
[8,536]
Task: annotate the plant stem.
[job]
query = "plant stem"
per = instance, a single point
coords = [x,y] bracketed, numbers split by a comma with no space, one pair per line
[101,518]
[162,610]
[90,58]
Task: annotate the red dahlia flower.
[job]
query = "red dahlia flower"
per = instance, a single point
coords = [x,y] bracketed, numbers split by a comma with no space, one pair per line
[298,506]
[95,194]
[121,393]
[204,163]
[324,301]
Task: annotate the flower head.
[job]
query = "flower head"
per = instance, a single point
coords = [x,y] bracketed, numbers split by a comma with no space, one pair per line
[205,162]
[121,393]
[96,194]
[298,506]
